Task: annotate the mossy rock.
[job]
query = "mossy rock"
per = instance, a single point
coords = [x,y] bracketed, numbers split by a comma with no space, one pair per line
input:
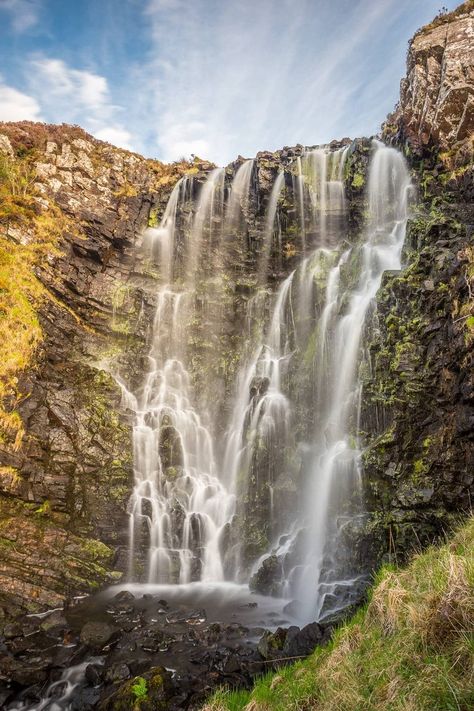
[150,692]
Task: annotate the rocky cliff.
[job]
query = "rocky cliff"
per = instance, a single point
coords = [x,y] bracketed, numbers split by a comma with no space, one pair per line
[66,448]
[66,451]
[419,395]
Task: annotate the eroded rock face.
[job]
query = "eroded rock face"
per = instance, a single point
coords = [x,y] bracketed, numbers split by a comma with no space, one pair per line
[64,492]
[436,108]
[419,399]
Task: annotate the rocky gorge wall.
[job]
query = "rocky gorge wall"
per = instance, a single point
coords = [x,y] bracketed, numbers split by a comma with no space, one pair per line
[419,396]
[64,488]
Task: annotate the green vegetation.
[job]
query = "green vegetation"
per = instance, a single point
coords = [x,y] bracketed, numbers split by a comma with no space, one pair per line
[29,235]
[44,509]
[444,16]
[140,688]
[358,180]
[411,648]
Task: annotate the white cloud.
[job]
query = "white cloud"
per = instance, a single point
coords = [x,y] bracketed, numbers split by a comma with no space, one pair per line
[24,14]
[259,74]
[117,136]
[74,91]
[16,106]
[79,96]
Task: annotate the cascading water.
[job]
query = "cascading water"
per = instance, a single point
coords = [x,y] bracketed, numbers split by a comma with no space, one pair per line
[321,574]
[178,505]
[270,218]
[239,197]
[335,468]
[292,429]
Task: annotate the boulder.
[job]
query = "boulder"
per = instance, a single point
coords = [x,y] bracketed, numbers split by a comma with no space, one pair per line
[96,634]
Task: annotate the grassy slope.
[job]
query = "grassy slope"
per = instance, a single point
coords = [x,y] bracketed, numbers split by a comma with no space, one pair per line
[29,235]
[410,649]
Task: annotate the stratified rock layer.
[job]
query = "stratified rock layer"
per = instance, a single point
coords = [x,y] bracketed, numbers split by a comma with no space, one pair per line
[436,108]
[64,492]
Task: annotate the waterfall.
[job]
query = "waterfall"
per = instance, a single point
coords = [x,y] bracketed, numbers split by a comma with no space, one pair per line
[319,302]
[323,171]
[298,190]
[335,473]
[270,226]
[238,203]
[161,239]
[280,474]
[178,507]
[208,219]
[260,432]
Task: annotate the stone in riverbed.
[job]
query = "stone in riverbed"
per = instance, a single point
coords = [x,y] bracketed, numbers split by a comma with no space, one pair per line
[54,622]
[267,578]
[124,596]
[117,672]
[96,634]
[22,673]
[93,674]
[293,641]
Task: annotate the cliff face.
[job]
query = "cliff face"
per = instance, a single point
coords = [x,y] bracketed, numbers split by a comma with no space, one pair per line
[66,473]
[436,109]
[419,398]
[65,483]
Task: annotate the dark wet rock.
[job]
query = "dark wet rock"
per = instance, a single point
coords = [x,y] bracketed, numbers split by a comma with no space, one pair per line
[293,642]
[124,596]
[54,622]
[65,654]
[16,629]
[301,642]
[6,693]
[155,641]
[271,644]
[96,634]
[24,673]
[35,642]
[268,577]
[117,672]
[94,674]
[190,616]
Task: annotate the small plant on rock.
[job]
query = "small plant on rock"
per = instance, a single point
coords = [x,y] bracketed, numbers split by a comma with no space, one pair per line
[140,688]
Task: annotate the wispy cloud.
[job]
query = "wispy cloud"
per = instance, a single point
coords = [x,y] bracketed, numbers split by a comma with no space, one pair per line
[211,77]
[23,14]
[229,77]
[77,96]
[16,106]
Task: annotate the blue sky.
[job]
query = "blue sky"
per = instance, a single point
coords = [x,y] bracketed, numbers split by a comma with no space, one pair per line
[216,78]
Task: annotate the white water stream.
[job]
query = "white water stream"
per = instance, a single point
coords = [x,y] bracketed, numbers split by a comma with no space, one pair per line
[185,494]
